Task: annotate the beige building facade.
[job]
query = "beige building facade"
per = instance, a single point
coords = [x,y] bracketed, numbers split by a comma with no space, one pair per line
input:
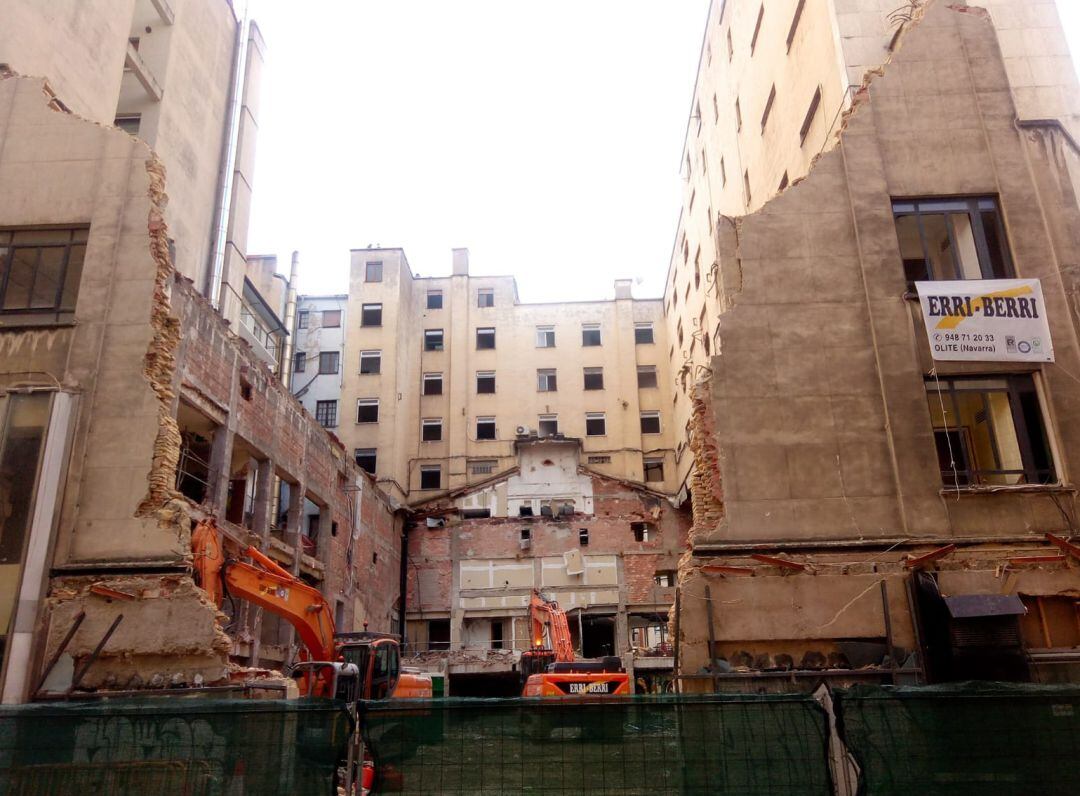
[442,375]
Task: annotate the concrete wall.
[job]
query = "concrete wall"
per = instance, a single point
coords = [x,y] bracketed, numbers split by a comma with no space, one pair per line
[315,339]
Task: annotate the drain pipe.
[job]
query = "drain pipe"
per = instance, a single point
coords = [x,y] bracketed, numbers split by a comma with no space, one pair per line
[290,322]
[228,163]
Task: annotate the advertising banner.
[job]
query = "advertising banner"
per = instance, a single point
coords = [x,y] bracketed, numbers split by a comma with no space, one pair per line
[986,320]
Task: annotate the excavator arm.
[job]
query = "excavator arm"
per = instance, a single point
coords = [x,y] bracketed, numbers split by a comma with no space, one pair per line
[267,585]
[547,614]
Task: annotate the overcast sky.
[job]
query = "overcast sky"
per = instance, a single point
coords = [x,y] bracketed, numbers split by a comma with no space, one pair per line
[543,136]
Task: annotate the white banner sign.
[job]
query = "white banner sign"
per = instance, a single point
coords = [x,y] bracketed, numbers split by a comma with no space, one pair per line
[986,320]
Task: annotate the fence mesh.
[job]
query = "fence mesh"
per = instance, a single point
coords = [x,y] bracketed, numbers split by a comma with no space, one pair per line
[974,738]
[189,746]
[730,744]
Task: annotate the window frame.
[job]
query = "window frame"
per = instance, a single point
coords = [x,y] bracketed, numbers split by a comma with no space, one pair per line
[649,370]
[366,309]
[303,319]
[486,421]
[596,417]
[367,403]
[547,380]
[373,453]
[299,361]
[429,337]
[586,328]
[333,357]
[373,354]
[655,465]
[644,327]
[485,297]
[757,29]
[428,469]
[431,423]
[434,294]
[326,413]
[331,313]
[373,267]
[542,336]
[483,333]
[649,415]
[592,371]
[68,277]
[485,375]
[547,418]
[432,379]
[974,207]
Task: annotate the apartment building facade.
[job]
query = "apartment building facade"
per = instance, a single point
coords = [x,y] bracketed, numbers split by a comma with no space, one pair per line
[319,344]
[137,394]
[877,498]
[442,375]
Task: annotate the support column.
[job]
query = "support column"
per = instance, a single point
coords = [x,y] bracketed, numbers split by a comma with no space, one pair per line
[220,463]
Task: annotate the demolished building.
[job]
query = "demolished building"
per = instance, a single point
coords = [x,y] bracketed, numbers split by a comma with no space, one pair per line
[867,508]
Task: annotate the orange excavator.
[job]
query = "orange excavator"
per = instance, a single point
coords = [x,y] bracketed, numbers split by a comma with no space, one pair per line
[552,671]
[347,666]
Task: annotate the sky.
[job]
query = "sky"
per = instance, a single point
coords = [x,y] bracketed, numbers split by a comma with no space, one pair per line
[545,137]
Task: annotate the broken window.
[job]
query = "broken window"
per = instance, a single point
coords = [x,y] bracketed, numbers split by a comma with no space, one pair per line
[366,459]
[526,537]
[475,514]
[583,537]
[643,333]
[433,384]
[496,634]
[643,532]
[646,376]
[431,430]
[654,470]
[545,336]
[811,114]
[664,578]
[367,410]
[546,380]
[525,510]
[590,334]
[299,362]
[757,28]
[952,239]
[795,23]
[485,297]
[193,468]
[485,339]
[326,413]
[595,424]
[485,428]
[594,378]
[370,362]
[548,425]
[433,339]
[438,634]
[989,431]
[434,300]
[371,315]
[485,382]
[329,362]
[373,271]
[482,466]
[430,476]
[129,122]
[40,269]
[768,108]
[331,319]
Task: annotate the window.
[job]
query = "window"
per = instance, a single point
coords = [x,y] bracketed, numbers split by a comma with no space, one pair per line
[367,410]
[485,297]
[485,339]
[299,362]
[329,362]
[723,176]
[795,23]
[438,634]
[952,239]
[326,413]
[545,380]
[433,339]
[715,108]
[590,334]
[595,424]
[768,108]
[548,425]
[482,466]
[646,376]
[650,422]
[757,28]
[738,115]
[496,634]
[746,185]
[371,315]
[594,378]
[370,362]
[642,531]
[365,459]
[679,332]
[730,46]
[485,428]
[697,271]
[40,269]
[331,319]
[434,299]
[989,431]
[302,319]
[431,430]
[373,271]
[545,336]
[693,196]
[430,476]
[599,460]
[811,114]
[654,470]
[784,182]
[432,384]
[664,578]
[129,122]
[485,382]
[643,334]
[697,115]
[583,537]
[525,536]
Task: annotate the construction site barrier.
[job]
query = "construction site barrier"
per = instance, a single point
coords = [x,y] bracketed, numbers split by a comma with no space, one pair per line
[972,738]
[648,745]
[180,745]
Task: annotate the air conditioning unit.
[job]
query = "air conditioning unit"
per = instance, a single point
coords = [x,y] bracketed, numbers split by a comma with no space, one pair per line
[523,431]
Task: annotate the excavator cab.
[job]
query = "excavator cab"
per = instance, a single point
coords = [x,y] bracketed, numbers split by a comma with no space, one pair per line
[377,658]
